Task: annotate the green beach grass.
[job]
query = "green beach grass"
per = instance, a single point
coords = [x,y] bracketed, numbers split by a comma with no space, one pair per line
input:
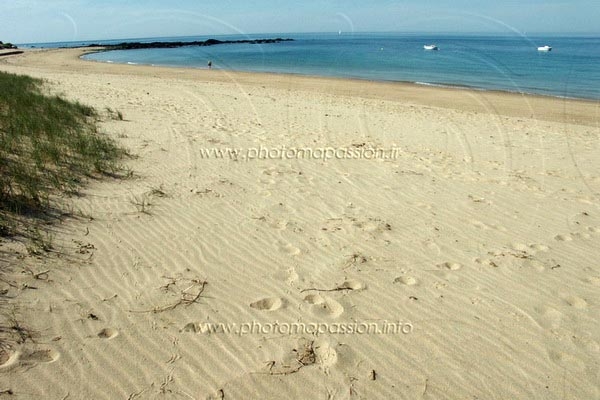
[49,147]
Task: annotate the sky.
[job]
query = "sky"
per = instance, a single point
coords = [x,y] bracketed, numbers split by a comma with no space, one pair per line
[41,21]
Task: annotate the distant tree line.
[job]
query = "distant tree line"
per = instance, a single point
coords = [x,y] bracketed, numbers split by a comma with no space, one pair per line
[7,46]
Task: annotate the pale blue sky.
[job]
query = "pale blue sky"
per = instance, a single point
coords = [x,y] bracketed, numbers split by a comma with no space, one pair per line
[23,21]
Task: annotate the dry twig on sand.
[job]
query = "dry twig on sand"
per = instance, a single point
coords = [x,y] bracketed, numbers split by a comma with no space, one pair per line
[187,297]
[304,358]
[343,286]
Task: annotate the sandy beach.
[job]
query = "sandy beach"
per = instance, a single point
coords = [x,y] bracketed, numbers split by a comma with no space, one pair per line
[300,237]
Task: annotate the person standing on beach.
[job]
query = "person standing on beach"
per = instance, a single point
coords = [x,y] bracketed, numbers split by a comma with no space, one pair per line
[209,64]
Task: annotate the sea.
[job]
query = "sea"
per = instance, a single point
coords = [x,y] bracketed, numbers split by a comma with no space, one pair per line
[477,61]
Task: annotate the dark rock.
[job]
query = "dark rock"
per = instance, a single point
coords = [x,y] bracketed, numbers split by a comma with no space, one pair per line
[170,45]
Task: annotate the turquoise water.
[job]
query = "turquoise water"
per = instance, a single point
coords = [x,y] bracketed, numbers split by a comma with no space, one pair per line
[510,63]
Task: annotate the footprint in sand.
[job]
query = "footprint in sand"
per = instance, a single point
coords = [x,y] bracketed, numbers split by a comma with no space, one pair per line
[572,236]
[406,280]
[587,343]
[272,171]
[549,318]
[268,304]
[534,264]
[450,266]
[353,285]
[266,181]
[108,333]
[280,225]
[538,247]
[39,356]
[288,275]
[582,235]
[480,225]
[372,225]
[8,358]
[288,248]
[423,206]
[532,247]
[593,229]
[576,302]
[323,306]
[432,246]
[325,352]
[593,280]
[485,227]
[563,238]
[586,200]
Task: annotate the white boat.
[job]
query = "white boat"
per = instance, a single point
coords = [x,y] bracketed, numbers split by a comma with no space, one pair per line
[430,47]
[545,48]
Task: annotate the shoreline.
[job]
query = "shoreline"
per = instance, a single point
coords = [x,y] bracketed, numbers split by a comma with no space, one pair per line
[533,106]
[103,49]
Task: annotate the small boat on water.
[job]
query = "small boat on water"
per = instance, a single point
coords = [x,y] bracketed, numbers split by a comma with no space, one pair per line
[430,47]
[544,48]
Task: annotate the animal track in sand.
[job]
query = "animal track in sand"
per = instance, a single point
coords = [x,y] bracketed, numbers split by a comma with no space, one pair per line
[268,304]
[406,280]
[450,266]
[108,333]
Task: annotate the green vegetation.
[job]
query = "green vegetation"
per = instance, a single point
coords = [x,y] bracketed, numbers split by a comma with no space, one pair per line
[7,46]
[48,146]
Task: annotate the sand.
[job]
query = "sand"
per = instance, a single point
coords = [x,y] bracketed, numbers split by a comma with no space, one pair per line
[478,237]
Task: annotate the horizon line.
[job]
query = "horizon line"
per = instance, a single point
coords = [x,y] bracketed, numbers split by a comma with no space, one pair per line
[343,33]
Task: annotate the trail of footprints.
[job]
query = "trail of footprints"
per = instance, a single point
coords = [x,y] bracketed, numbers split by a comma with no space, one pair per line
[587,234]
[41,355]
[27,358]
[322,304]
[315,301]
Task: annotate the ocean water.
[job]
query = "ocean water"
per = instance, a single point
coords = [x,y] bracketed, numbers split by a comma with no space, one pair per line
[488,62]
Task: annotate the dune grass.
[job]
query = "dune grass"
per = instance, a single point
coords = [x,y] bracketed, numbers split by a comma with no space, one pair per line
[48,146]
